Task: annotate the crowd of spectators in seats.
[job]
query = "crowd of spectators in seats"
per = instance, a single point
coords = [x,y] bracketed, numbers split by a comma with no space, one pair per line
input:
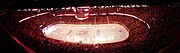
[141,39]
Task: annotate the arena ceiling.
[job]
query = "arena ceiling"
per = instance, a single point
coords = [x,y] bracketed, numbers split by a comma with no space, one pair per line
[63,3]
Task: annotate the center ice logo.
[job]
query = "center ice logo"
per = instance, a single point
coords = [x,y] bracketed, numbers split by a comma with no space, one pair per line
[83,33]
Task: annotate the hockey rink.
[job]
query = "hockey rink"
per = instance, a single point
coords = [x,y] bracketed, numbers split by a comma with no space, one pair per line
[87,34]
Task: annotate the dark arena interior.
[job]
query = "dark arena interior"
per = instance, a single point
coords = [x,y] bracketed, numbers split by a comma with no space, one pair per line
[75,26]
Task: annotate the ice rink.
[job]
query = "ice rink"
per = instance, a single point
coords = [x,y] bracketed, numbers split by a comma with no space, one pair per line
[87,34]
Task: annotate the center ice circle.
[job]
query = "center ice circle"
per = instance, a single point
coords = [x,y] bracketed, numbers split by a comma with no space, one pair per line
[87,34]
[83,33]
